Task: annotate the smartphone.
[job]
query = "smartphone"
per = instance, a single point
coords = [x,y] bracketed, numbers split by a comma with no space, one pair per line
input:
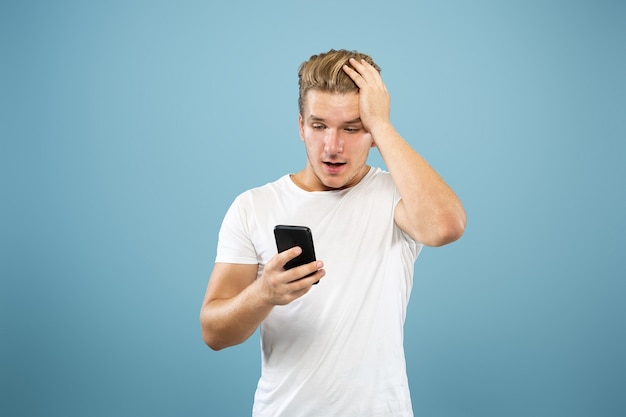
[289,236]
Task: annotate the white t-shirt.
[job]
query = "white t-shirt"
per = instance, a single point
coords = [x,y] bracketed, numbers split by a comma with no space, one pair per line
[337,350]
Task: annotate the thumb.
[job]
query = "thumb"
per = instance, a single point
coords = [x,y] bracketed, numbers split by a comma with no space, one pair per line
[285,256]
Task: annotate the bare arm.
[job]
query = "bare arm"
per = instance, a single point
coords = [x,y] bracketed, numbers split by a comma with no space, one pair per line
[429,212]
[236,302]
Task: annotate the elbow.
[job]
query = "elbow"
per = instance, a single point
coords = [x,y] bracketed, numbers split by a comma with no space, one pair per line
[213,344]
[446,230]
[213,341]
[211,337]
[451,233]
[217,343]
[210,340]
[217,338]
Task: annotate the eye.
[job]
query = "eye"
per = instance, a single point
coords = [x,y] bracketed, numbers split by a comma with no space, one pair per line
[352,129]
[318,126]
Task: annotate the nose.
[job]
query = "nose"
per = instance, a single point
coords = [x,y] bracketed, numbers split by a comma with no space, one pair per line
[333,142]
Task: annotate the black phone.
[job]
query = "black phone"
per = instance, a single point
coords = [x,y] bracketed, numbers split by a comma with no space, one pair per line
[289,236]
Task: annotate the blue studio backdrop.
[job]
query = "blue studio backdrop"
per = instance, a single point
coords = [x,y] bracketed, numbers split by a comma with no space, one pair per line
[128,127]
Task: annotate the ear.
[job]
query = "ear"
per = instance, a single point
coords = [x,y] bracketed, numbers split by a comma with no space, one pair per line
[301,126]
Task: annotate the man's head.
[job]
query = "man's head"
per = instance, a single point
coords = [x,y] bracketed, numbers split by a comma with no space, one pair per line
[324,72]
[336,140]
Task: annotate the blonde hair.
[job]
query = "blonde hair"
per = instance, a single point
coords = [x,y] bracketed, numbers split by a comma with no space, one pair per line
[324,72]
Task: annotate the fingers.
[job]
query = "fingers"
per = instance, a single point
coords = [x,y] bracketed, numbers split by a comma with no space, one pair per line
[355,71]
[283,286]
[374,101]
[289,254]
[304,272]
[362,72]
[300,271]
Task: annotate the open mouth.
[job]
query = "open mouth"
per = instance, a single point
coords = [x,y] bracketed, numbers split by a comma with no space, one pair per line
[334,164]
[334,168]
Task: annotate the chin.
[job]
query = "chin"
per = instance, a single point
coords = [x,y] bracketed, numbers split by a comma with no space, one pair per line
[335,184]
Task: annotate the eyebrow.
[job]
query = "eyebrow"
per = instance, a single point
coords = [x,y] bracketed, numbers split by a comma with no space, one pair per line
[319,119]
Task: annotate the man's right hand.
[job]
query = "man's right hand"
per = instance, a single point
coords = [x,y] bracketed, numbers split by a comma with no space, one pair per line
[280,286]
[236,301]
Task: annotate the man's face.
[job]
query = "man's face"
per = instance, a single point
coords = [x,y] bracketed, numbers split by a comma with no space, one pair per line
[337,145]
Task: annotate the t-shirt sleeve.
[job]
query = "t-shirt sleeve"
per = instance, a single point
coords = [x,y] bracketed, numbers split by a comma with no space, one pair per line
[234,244]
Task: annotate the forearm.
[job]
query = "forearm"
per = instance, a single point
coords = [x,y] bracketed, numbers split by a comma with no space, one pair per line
[434,214]
[231,321]
[429,210]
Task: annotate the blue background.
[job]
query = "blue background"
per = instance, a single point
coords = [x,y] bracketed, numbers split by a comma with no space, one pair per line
[127,128]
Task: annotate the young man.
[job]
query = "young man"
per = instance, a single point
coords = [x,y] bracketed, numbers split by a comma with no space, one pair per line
[336,348]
